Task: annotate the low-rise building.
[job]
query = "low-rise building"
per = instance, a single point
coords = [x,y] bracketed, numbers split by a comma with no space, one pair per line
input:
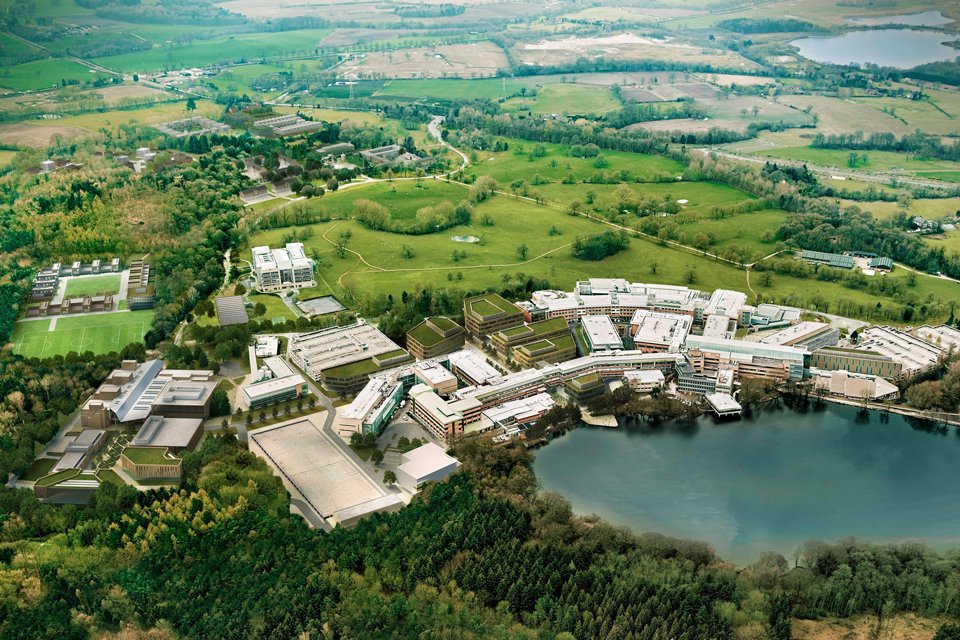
[151,463]
[81,450]
[428,463]
[175,434]
[435,376]
[659,332]
[434,337]
[184,399]
[645,381]
[854,386]
[601,334]
[446,419]
[835,260]
[943,336]
[273,390]
[231,310]
[472,367]
[689,380]
[750,359]
[809,335]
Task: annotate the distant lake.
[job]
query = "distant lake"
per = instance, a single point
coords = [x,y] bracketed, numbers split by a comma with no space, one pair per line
[923,19]
[899,48]
[769,482]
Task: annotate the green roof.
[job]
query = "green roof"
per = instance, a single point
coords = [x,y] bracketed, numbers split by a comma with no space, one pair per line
[490,304]
[57,478]
[557,344]
[149,455]
[536,328]
[427,335]
[352,369]
[586,380]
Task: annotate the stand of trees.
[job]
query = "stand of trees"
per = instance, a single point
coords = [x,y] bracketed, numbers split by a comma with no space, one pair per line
[920,144]
[600,246]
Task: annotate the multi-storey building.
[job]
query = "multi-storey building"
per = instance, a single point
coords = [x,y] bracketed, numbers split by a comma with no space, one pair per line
[489,313]
[506,340]
[434,337]
[751,359]
[856,361]
[282,269]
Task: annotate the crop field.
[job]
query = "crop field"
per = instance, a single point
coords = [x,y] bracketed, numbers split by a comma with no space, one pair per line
[42,74]
[557,163]
[401,198]
[475,60]
[566,99]
[837,115]
[455,88]
[40,133]
[232,48]
[100,333]
[626,46]
[92,285]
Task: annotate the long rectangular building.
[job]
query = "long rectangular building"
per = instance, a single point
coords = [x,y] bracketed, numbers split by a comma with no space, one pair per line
[810,335]
[914,354]
[856,361]
[333,347]
[752,358]
[657,331]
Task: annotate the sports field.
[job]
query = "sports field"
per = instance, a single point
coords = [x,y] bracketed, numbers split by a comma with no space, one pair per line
[101,333]
[93,285]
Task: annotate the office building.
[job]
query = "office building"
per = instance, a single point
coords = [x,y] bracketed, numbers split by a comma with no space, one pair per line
[772,315]
[914,354]
[854,386]
[473,368]
[855,361]
[489,313]
[175,434]
[601,334]
[282,269]
[546,351]
[151,463]
[428,463]
[519,412]
[750,359]
[809,335]
[372,409]
[434,337]
[435,376]
[506,340]
[128,394]
[659,332]
[446,419]
[266,392]
[689,380]
[644,381]
[81,450]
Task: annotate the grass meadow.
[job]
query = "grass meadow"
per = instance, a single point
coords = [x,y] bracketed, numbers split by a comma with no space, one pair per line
[100,333]
[43,74]
[93,285]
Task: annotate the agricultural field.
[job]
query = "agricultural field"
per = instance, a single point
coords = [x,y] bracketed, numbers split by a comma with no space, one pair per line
[572,99]
[827,13]
[40,133]
[875,160]
[625,46]
[455,89]
[93,285]
[475,60]
[224,49]
[929,208]
[6,157]
[44,74]
[99,333]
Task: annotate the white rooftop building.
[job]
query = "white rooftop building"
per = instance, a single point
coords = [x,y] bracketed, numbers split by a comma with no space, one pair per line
[519,411]
[601,333]
[429,463]
[659,331]
[282,269]
[473,368]
[915,354]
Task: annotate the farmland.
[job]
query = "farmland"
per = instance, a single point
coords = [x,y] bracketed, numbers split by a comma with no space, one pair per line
[100,333]
[43,74]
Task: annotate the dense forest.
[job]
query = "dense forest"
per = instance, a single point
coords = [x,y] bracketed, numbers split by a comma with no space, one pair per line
[481,555]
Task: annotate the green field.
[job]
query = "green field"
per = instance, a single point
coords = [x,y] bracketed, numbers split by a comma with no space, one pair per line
[43,74]
[557,164]
[876,160]
[567,99]
[455,89]
[93,285]
[234,48]
[401,198]
[101,333]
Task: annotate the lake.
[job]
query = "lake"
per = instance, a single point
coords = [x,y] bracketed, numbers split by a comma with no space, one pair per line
[767,482]
[929,18]
[900,48]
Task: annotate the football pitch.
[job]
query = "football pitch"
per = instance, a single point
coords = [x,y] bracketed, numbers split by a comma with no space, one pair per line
[100,333]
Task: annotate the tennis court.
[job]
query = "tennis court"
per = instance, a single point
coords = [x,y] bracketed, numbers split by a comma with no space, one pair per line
[99,333]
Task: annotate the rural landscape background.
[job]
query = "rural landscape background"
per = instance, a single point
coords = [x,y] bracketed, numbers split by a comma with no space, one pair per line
[697,143]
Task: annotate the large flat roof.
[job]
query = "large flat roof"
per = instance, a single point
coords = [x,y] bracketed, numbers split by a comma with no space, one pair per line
[601,332]
[912,352]
[797,332]
[425,460]
[336,346]
[158,431]
[316,467]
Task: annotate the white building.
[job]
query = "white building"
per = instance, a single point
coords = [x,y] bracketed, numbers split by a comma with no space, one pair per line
[429,463]
[656,331]
[601,333]
[644,380]
[915,354]
[282,269]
